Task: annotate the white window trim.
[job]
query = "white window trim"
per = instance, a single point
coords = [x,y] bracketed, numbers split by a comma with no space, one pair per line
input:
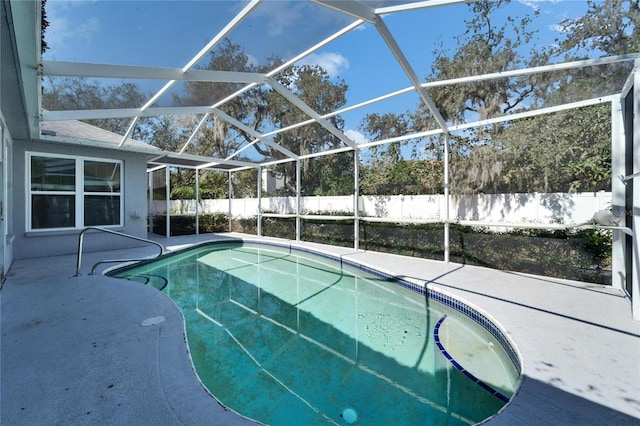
[78,191]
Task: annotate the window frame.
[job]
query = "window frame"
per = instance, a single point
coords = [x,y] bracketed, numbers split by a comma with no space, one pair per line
[78,191]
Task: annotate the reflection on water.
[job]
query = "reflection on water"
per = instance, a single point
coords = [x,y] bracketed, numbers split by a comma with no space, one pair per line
[286,338]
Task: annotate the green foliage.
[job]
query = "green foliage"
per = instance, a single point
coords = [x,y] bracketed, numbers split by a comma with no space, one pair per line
[244,184]
[408,177]
[67,93]
[566,151]
[209,223]
[245,225]
[43,27]
[279,227]
[314,87]
[384,127]
[598,243]
[169,133]
[217,137]
[213,185]
[264,109]
[611,27]
[331,175]
[336,232]
[582,255]
[487,46]
[183,193]
[186,224]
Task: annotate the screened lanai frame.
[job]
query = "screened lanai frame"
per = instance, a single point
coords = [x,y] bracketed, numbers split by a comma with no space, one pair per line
[361,13]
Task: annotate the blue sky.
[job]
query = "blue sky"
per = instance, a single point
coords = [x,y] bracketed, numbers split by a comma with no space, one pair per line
[169,33]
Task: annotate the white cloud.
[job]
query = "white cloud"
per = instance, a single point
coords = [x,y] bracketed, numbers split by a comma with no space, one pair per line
[356,136]
[535,4]
[86,30]
[279,15]
[333,63]
[252,60]
[62,32]
[556,28]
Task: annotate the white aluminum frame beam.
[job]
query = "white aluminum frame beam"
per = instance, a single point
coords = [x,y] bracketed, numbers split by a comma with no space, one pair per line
[231,25]
[509,117]
[291,97]
[418,5]
[368,14]
[240,125]
[88,114]
[535,70]
[501,119]
[198,158]
[292,61]
[413,77]
[150,112]
[273,72]
[91,70]
[353,8]
[361,11]
[634,256]
[511,73]
[618,190]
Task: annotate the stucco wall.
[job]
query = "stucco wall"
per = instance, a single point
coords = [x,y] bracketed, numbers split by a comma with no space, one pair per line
[51,243]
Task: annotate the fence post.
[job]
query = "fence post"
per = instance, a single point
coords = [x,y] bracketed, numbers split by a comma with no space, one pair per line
[298,180]
[197,201]
[259,225]
[446,198]
[167,194]
[356,198]
[229,190]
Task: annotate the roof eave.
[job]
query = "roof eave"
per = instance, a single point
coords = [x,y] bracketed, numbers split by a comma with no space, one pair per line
[150,150]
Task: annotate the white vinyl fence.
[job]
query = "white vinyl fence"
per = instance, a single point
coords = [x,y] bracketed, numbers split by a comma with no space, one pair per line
[534,208]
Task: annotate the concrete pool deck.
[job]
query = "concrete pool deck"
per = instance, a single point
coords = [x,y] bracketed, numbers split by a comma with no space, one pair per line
[74,350]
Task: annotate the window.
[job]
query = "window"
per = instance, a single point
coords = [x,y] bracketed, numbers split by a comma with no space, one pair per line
[70,192]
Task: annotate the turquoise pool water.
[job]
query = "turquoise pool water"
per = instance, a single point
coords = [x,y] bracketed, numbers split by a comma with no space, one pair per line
[288,337]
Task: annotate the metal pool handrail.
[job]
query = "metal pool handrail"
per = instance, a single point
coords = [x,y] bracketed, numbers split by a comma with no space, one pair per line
[96,228]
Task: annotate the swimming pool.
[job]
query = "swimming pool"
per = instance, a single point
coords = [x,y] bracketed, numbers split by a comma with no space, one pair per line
[290,337]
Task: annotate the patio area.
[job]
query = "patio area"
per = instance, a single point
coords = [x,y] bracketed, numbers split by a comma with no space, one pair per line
[75,350]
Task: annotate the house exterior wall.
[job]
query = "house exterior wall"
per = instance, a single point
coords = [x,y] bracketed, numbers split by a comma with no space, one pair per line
[58,242]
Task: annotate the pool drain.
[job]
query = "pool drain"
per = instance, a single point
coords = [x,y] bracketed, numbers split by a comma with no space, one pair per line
[349,415]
